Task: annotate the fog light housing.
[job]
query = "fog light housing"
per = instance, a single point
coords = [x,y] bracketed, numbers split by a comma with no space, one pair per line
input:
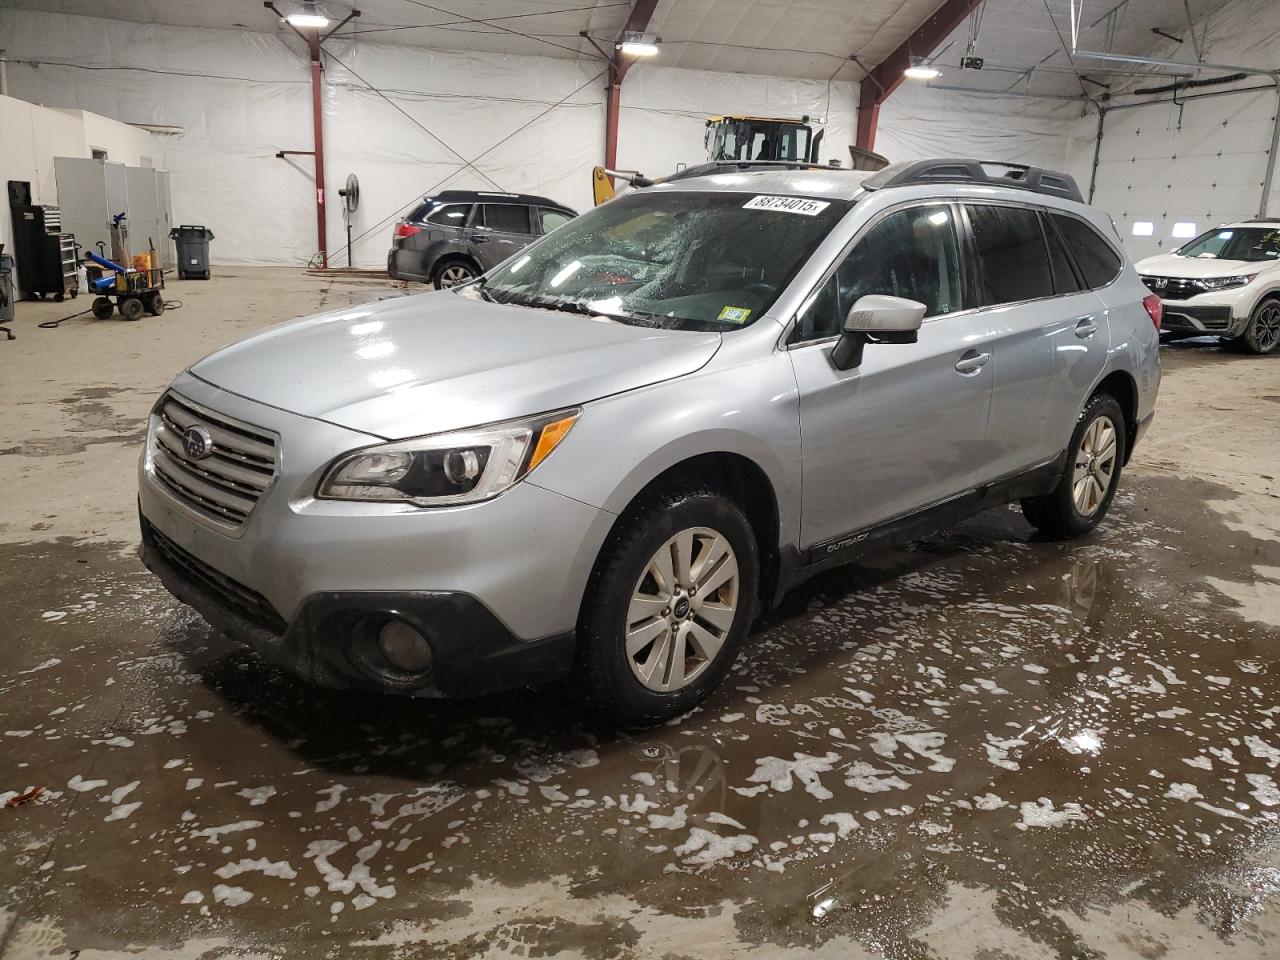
[404,648]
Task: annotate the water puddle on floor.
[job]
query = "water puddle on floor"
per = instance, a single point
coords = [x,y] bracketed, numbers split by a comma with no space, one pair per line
[980,746]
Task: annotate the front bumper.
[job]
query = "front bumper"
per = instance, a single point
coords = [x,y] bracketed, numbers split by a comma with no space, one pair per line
[474,653]
[1180,316]
[495,585]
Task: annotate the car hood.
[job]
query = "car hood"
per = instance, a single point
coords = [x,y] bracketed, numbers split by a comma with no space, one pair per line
[1193,268]
[439,361]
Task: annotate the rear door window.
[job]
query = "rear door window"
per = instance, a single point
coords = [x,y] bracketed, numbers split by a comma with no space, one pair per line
[507,217]
[1097,261]
[450,215]
[1012,254]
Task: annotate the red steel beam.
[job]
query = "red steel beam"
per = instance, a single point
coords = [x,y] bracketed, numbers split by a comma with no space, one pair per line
[886,75]
[637,22]
[317,126]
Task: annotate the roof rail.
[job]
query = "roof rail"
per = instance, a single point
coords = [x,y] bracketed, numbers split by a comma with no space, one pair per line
[1018,176]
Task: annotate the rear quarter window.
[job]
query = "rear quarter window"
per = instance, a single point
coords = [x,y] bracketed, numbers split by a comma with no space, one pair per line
[1093,255]
[450,215]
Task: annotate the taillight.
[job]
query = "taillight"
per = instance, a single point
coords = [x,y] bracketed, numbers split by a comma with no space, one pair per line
[407,230]
[1155,309]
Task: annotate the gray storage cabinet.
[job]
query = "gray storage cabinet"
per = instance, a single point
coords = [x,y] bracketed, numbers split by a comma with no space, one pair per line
[91,192]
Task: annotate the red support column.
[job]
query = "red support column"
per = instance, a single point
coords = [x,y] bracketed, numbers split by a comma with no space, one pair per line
[868,114]
[884,78]
[317,124]
[637,22]
[613,99]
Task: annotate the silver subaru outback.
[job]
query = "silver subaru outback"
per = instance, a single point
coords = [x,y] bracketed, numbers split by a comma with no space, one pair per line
[606,457]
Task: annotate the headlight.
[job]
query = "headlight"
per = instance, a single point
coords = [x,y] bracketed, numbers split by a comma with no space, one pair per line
[1224,283]
[449,468]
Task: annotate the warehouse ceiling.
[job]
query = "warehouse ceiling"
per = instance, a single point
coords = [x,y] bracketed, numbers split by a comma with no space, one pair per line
[1021,40]
[1023,43]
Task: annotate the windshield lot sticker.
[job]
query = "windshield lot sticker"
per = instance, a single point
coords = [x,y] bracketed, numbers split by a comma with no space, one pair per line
[734,314]
[808,208]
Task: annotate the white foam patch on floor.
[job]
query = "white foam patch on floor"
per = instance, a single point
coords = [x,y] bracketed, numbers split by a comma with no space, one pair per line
[704,848]
[779,774]
[1042,813]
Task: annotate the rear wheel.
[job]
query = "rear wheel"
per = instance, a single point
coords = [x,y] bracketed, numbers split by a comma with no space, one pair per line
[1094,459]
[451,273]
[155,304]
[671,598]
[1262,335]
[102,308]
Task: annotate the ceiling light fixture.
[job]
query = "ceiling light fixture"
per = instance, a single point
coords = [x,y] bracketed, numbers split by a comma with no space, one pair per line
[308,16]
[639,44]
[921,70]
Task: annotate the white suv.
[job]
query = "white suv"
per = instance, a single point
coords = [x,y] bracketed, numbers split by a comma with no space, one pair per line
[1224,282]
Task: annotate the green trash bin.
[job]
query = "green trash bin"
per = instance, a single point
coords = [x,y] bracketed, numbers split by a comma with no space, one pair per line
[193,251]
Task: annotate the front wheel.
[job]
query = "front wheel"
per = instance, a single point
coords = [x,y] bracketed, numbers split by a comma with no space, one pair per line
[1262,335]
[130,308]
[103,308]
[671,598]
[1094,458]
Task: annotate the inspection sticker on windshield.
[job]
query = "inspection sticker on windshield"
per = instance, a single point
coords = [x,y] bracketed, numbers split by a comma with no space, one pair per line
[808,208]
[734,314]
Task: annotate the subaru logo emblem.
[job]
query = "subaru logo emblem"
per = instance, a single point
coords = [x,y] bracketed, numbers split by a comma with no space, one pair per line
[197,442]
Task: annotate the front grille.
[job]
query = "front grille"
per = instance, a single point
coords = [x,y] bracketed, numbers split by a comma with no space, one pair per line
[1173,288]
[239,599]
[226,482]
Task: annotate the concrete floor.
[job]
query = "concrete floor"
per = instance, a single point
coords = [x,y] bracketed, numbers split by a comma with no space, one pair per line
[983,747]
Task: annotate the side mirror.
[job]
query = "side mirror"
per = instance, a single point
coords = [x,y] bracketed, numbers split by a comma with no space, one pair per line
[876,319]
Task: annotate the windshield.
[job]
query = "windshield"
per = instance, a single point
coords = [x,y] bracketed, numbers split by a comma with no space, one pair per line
[1235,243]
[678,260]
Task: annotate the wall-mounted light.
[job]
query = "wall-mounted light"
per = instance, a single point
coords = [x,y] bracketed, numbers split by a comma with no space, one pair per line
[639,44]
[309,15]
[921,69]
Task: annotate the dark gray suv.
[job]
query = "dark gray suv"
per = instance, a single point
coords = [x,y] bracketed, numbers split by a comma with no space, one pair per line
[456,235]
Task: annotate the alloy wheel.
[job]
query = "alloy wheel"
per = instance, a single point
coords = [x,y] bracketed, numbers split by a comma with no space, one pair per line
[453,275]
[682,609]
[1095,466]
[1267,327]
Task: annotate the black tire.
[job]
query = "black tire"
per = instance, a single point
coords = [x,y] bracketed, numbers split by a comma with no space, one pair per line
[58,298]
[130,308]
[1056,514]
[452,271]
[102,308]
[603,677]
[155,304]
[1262,335]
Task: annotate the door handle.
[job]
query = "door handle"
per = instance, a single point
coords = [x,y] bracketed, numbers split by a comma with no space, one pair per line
[1086,327]
[972,362]
[479,239]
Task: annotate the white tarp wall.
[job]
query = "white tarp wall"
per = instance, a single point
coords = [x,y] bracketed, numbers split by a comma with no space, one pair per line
[1200,162]
[527,124]
[919,122]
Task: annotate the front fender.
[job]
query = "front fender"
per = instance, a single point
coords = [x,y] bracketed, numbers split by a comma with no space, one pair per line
[622,443]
